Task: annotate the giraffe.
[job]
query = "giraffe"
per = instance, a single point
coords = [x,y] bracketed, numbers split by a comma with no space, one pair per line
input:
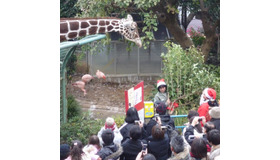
[79,27]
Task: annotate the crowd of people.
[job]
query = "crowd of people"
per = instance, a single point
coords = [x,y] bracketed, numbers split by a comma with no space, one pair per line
[158,139]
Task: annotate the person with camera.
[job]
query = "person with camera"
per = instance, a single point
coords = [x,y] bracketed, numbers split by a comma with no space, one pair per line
[158,143]
[134,145]
[131,119]
[144,155]
[195,130]
[160,118]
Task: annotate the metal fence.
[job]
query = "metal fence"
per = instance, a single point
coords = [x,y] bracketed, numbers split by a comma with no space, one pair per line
[115,60]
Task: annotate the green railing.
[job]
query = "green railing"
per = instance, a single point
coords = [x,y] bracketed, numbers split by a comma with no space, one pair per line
[66,50]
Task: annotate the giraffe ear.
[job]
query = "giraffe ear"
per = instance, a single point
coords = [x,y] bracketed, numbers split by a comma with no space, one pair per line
[129,17]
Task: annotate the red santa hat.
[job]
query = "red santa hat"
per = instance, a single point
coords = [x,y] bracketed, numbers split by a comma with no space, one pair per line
[161,83]
[210,94]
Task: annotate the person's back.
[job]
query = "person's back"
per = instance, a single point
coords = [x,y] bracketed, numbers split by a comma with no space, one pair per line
[109,150]
[179,148]
[110,124]
[213,137]
[158,143]
[77,152]
[132,146]
[215,117]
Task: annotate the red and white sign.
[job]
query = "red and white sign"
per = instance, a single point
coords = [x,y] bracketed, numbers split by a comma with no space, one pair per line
[134,97]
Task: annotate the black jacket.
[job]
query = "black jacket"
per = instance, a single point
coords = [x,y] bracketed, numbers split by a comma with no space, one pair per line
[190,131]
[165,120]
[159,148]
[125,132]
[216,122]
[111,151]
[131,148]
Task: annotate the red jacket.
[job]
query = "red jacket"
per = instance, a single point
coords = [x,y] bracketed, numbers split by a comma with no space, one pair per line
[203,111]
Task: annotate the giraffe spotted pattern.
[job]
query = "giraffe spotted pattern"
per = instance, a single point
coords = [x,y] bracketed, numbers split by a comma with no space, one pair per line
[75,27]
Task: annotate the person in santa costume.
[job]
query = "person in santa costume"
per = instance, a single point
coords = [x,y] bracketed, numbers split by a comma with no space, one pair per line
[162,95]
[208,99]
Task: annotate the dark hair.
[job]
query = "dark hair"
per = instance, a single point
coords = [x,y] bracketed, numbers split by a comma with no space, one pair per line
[149,156]
[76,150]
[131,115]
[192,113]
[199,148]
[107,137]
[135,132]
[64,151]
[214,136]
[198,126]
[177,143]
[94,140]
[209,126]
[163,85]
[157,132]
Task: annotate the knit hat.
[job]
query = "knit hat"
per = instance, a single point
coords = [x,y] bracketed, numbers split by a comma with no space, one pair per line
[210,94]
[161,83]
[110,123]
[161,108]
[214,112]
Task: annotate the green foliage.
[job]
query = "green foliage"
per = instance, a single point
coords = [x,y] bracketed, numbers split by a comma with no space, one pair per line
[71,66]
[74,109]
[186,76]
[150,21]
[196,36]
[119,120]
[79,127]
[68,8]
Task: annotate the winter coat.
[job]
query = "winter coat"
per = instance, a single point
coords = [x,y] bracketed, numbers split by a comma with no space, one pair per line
[125,128]
[111,151]
[215,151]
[131,148]
[84,157]
[184,155]
[117,136]
[203,111]
[163,97]
[192,131]
[91,150]
[216,122]
[165,120]
[159,148]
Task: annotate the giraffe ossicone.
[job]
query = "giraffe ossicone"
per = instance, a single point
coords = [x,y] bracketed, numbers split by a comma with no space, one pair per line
[71,28]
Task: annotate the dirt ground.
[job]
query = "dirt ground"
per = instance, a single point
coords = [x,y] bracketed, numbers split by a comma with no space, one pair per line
[104,98]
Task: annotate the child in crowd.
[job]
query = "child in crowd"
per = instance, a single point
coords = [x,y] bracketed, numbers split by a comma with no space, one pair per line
[93,147]
[77,152]
[110,124]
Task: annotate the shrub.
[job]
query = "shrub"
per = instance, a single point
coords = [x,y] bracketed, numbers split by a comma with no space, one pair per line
[186,76]
[79,127]
[74,109]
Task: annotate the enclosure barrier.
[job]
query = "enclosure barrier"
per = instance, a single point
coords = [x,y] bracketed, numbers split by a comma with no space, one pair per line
[179,116]
[66,50]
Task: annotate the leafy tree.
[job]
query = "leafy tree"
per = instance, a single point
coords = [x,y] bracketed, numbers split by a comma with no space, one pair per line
[164,11]
[68,8]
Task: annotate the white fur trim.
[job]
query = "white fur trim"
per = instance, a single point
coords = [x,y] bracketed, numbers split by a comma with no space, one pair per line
[160,83]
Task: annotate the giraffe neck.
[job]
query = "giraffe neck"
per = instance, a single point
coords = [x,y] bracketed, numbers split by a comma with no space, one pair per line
[78,27]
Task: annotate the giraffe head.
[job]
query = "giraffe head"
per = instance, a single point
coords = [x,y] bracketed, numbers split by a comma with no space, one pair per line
[130,30]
